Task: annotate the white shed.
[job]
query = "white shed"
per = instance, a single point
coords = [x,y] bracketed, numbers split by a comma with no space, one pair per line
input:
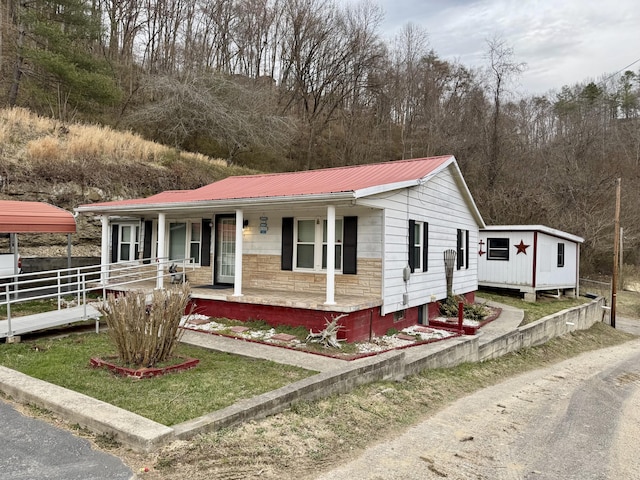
[529,258]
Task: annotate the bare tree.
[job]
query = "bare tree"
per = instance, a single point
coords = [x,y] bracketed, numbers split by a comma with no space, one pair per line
[236,114]
[502,69]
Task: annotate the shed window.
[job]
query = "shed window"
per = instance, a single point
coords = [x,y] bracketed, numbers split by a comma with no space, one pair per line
[560,254]
[497,249]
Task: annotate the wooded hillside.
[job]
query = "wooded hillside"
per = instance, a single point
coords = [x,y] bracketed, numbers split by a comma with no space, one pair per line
[299,84]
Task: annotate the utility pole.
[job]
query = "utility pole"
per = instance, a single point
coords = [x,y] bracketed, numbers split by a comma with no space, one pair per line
[616,256]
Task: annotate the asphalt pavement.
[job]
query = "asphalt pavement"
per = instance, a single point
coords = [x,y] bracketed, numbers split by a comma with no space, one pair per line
[34,449]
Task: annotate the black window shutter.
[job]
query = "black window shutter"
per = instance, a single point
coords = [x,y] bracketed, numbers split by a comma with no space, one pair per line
[205,246]
[412,241]
[350,246]
[466,249]
[114,242]
[148,236]
[425,246]
[459,259]
[286,259]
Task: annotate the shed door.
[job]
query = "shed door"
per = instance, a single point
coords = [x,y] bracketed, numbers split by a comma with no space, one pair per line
[225,250]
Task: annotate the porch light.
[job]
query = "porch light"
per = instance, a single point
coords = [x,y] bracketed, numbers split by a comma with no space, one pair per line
[245,223]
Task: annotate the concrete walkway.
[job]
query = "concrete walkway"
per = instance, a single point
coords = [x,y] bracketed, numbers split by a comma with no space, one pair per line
[309,361]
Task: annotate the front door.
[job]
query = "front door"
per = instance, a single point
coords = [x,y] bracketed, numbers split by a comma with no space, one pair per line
[225,250]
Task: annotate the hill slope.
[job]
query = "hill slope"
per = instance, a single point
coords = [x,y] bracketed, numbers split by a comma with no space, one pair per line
[68,165]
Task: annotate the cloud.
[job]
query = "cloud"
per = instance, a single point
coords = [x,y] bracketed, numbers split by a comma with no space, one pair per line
[562,43]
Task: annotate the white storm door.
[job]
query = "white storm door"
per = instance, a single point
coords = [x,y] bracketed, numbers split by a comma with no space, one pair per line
[225,249]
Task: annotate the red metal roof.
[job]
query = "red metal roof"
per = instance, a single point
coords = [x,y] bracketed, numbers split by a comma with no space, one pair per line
[34,217]
[297,184]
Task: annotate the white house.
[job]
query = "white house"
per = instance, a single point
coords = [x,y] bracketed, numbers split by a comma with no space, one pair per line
[260,243]
[529,258]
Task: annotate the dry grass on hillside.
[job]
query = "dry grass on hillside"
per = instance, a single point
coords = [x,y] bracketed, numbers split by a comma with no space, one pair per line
[44,139]
[67,165]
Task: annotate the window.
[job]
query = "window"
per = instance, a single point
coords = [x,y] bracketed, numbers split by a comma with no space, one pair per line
[462,260]
[560,254]
[497,249]
[129,242]
[311,244]
[185,240]
[418,246]
[196,238]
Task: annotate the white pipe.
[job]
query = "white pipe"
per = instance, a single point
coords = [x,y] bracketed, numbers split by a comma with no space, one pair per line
[237,281]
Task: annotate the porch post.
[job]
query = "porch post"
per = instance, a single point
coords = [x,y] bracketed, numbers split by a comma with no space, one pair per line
[104,250]
[160,252]
[331,255]
[237,281]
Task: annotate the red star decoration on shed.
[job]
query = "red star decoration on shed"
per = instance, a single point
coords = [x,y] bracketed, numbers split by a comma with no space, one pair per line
[522,248]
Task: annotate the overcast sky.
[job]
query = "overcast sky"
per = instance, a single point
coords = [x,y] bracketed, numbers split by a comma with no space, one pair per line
[563,42]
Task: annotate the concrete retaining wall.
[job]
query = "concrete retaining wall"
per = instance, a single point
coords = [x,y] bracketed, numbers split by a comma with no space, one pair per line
[395,365]
[544,329]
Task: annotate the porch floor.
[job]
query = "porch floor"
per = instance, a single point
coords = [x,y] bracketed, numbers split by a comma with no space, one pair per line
[262,296]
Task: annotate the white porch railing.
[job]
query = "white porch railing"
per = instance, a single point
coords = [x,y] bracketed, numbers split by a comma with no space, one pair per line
[74,285]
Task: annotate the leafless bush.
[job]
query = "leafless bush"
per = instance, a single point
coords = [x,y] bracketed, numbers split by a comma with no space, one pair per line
[145,333]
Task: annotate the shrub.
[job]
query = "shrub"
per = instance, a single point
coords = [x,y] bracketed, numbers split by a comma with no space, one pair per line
[145,333]
[472,311]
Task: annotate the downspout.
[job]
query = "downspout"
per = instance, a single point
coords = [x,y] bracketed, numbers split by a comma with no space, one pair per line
[237,280]
[331,255]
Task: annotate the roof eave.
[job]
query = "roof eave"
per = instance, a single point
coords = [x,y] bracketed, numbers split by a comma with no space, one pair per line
[535,228]
[217,204]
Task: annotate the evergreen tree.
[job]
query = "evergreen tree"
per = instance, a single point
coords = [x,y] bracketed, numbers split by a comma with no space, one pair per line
[57,65]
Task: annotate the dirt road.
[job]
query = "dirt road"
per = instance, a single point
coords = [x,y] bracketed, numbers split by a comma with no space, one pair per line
[579,419]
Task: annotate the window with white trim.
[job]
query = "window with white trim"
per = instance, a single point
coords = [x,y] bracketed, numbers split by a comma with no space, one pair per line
[417,246]
[497,249]
[311,244]
[129,243]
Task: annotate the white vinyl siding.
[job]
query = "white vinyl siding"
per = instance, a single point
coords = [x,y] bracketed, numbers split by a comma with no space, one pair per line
[440,203]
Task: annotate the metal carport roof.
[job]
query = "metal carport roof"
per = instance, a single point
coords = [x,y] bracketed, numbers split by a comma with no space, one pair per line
[34,217]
